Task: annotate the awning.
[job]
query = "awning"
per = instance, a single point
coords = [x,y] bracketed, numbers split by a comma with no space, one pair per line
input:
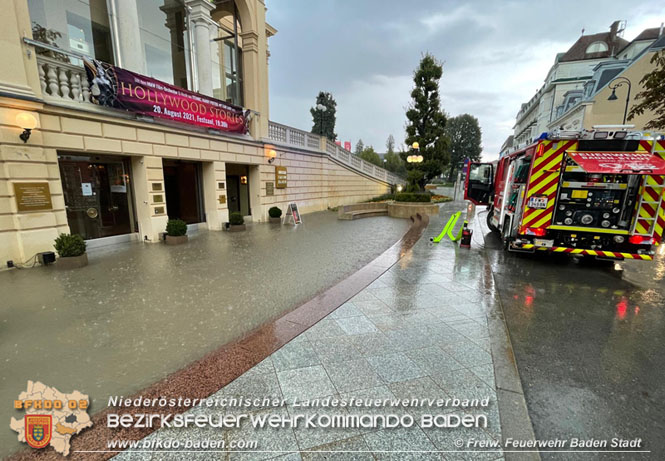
[619,162]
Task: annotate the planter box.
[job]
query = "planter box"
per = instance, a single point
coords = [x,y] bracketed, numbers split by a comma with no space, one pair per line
[275,220]
[237,227]
[172,240]
[73,262]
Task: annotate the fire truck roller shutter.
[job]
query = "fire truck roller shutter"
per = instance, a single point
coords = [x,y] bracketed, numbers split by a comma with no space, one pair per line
[619,162]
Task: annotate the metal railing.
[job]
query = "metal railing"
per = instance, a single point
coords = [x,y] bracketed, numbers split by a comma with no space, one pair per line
[290,136]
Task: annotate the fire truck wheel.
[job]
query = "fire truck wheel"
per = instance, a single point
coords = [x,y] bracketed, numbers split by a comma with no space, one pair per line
[505,234]
[490,225]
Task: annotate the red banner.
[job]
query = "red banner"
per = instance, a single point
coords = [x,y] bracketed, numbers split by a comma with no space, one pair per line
[112,86]
[619,162]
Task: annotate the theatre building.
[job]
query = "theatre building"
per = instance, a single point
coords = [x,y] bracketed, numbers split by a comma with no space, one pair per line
[116,115]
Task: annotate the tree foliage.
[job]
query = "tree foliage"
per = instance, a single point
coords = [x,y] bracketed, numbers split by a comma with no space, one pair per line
[369,155]
[653,95]
[393,161]
[464,137]
[324,120]
[390,144]
[426,122]
[360,147]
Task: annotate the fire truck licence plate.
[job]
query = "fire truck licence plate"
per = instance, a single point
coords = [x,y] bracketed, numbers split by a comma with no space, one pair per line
[543,243]
[538,203]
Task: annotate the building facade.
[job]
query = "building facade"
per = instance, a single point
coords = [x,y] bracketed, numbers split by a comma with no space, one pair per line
[565,81]
[597,106]
[70,163]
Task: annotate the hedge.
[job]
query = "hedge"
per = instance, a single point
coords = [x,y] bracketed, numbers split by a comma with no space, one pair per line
[413,197]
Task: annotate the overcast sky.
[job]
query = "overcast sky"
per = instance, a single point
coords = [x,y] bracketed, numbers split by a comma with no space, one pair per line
[495,55]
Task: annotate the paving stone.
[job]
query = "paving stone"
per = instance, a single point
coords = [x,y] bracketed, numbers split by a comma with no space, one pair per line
[401,444]
[434,360]
[347,309]
[375,307]
[305,383]
[356,325]
[395,367]
[326,328]
[312,437]
[464,384]
[295,354]
[374,344]
[353,375]
[351,449]
[336,349]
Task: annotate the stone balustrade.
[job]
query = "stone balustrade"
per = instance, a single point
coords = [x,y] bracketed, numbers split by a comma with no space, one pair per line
[62,80]
[290,136]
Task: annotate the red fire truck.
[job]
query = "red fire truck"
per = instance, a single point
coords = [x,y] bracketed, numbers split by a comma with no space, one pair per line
[593,193]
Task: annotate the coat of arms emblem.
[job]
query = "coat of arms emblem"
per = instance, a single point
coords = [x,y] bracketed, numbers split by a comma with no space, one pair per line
[38,430]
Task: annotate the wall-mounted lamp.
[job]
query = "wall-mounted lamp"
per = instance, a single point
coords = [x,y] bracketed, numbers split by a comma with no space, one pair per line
[272,155]
[28,122]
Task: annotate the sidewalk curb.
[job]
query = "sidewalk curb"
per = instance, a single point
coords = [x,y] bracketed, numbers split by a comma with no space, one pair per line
[513,411]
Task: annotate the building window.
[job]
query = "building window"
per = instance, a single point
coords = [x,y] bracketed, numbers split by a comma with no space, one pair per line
[162,24]
[73,25]
[597,47]
[227,62]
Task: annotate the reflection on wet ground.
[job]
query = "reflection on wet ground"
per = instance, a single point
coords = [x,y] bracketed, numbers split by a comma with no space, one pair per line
[142,311]
[419,331]
[589,346]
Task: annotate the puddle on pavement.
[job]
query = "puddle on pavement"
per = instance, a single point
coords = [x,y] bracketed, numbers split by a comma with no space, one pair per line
[137,313]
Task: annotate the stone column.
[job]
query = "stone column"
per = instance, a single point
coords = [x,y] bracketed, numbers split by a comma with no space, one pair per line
[214,194]
[202,23]
[130,48]
[150,200]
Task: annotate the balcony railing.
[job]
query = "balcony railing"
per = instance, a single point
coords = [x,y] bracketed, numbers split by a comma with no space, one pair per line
[290,136]
[62,80]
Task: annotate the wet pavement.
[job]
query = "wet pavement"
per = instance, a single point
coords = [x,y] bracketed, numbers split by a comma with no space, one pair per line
[589,346]
[419,331]
[139,312]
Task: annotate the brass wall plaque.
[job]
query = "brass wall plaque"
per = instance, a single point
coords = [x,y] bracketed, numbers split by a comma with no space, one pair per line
[33,196]
[270,188]
[159,210]
[222,199]
[158,198]
[156,186]
[280,177]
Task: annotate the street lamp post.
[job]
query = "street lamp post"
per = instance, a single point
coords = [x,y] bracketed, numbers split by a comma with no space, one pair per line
[616,83]
[415,158]
[321,109]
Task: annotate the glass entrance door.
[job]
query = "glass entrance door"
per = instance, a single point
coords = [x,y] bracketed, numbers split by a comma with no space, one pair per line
[97,195]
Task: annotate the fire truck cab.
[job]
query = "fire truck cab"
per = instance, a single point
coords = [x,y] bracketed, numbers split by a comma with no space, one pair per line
[597,193]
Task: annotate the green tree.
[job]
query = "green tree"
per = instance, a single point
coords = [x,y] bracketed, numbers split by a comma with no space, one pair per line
[390,144]
[360,147]
[392,161]
[369,155]
[464,138]
[395,164]
[426,123]
[653,95]
[324,119]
